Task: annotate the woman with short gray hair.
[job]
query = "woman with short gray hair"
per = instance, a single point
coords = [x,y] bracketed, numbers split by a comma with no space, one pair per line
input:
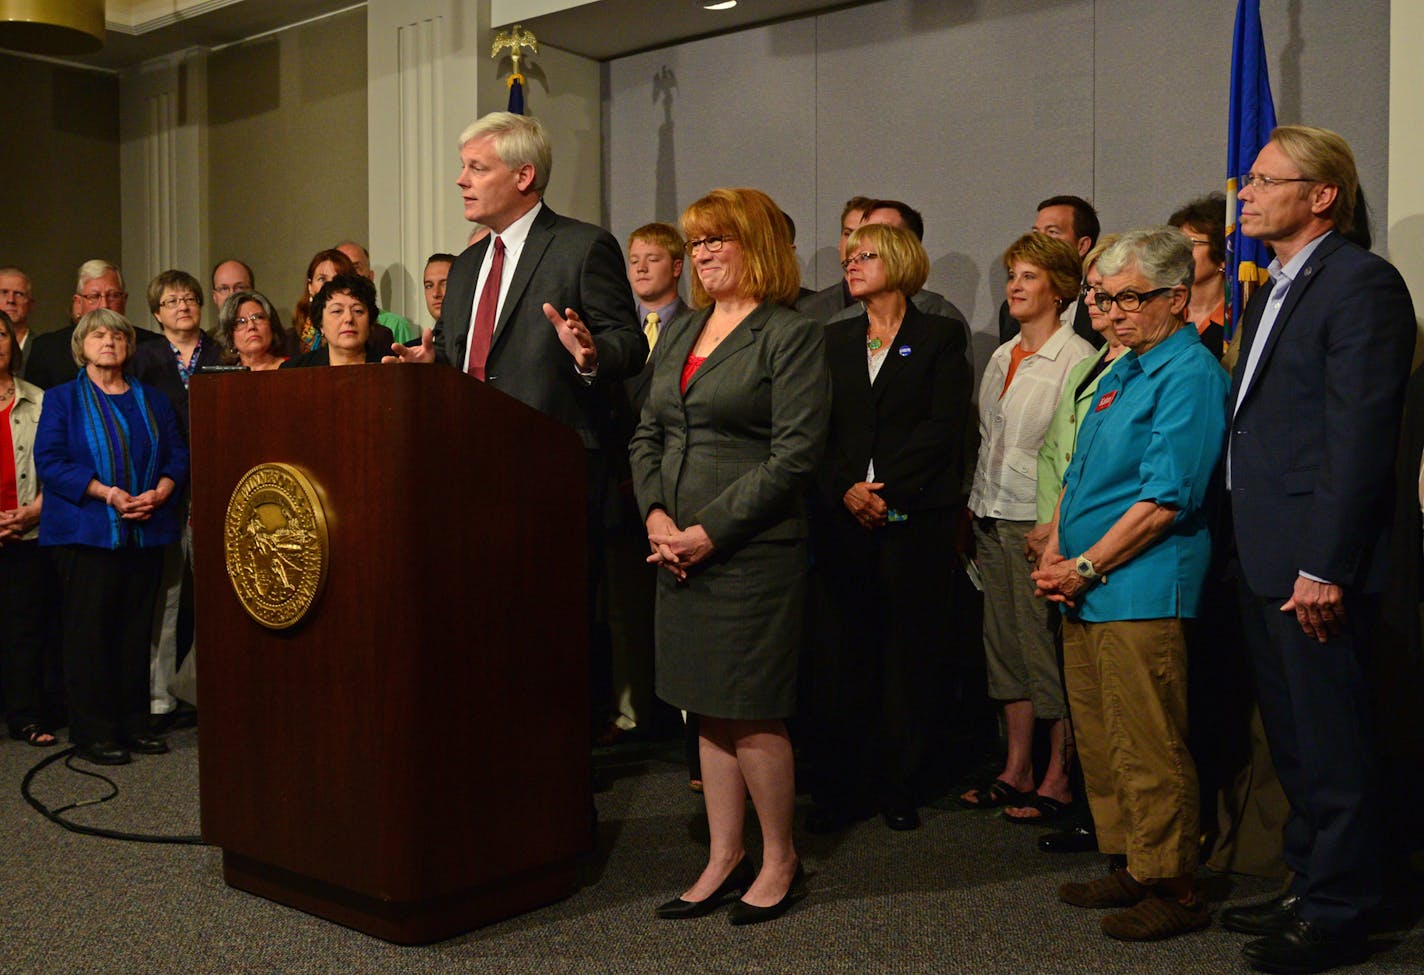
[1131,510]
[111,457]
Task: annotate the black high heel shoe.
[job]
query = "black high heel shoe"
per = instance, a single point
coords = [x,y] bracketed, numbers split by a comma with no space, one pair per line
[744,913]
[734,886]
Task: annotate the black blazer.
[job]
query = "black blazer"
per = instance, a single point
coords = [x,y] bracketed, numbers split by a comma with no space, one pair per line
[321,356]
[1312,444]
[153,365]
[911,421]
[569,264]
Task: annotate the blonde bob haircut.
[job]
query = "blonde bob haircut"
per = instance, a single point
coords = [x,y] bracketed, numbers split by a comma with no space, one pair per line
[519,140]
[1056,258]
[1324,157]
[92,322]
[907,266]
[769,268]
[1104,242]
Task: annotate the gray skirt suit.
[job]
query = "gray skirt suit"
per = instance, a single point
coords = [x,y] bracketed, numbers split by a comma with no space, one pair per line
[736,454]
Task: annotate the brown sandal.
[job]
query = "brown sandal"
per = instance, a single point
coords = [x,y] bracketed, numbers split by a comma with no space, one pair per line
[1117,889]
[33,734]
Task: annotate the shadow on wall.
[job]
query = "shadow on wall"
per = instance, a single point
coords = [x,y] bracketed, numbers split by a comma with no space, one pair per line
[260,82]
[1406,252]
[665,206]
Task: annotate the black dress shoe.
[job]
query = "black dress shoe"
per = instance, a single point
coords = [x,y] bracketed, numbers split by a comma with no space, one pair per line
[744,913]
[105,753]
[736,883]
[147,744]
[1272,917]
[902,820]
[1305,947]
[1075,839]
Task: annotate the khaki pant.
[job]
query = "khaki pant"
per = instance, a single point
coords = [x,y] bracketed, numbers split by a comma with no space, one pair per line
[1019,653]
[1127,690]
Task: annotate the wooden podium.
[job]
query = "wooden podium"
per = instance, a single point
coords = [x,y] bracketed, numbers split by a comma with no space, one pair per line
[412,759]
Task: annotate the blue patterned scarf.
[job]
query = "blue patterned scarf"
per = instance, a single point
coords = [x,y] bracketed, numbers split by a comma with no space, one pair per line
[109,438]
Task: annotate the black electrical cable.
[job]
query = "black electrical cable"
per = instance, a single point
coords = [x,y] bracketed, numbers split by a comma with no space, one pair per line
[55,815]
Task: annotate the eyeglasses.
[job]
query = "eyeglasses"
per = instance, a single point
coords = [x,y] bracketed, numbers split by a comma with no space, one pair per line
[227,289]
[173,301]
[1198,241]
[860,258]
[1087,291]
[95,297]
[255,319]
[1127,300]
[713,243]
[1266,182]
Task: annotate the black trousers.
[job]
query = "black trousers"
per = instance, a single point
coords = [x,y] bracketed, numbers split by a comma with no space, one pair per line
[108,599]
[29,658]
[879,668]
[1317,707]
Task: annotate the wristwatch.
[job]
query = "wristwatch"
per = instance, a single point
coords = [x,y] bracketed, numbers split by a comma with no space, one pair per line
[1085,568]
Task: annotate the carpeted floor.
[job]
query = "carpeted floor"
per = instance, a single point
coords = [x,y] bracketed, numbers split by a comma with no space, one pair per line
[966,893]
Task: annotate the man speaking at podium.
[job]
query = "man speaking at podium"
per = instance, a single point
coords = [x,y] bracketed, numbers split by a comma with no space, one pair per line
[541,308]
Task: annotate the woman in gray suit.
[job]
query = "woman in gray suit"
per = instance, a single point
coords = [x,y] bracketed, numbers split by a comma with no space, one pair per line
[729,439]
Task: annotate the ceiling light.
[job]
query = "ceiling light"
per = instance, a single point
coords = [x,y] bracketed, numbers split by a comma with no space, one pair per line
[718,4]
[52,26]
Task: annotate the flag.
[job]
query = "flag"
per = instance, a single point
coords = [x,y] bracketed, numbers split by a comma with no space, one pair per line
[516,93]
[1252,117]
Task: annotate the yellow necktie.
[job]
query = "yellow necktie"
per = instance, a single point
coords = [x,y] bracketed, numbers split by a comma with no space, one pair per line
[650,329]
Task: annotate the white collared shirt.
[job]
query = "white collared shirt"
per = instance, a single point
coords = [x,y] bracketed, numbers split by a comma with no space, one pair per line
[513,237]
[1011,427]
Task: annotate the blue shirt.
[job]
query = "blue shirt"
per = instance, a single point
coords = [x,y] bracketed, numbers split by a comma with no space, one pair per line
[1154,432]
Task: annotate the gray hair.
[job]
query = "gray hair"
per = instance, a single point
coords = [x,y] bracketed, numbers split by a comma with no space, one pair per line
[518,140]
[96,268]
[1163,255]
[93,321]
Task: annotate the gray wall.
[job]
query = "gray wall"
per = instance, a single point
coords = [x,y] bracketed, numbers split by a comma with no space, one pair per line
[287,154]
[975,111]
[59,175]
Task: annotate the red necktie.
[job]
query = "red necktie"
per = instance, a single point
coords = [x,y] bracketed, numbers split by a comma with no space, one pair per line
[483,333]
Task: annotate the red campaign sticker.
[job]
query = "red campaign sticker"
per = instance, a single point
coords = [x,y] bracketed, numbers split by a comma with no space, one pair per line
[1105,402]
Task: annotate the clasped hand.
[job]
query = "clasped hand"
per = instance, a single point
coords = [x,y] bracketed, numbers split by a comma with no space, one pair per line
[135,507]
[865,505]
[1057,580]
[1319,608]
[673,548]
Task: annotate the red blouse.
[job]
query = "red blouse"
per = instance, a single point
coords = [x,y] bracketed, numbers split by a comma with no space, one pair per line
[693,363]
[9,495]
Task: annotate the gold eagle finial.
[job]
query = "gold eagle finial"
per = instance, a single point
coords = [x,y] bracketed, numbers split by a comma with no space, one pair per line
[515,40]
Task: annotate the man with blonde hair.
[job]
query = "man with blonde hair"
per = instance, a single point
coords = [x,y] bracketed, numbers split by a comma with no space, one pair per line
[1315,406]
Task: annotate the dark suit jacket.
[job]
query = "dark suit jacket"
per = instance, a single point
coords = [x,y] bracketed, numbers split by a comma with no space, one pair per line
[322,357]
[569,264]
[1082,324]
[50,360]
[736,452]
[1312,444]
[154,366]
[911,421]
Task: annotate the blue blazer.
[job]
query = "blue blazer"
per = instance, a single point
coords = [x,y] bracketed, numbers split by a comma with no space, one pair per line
[66,466]
[1313,442]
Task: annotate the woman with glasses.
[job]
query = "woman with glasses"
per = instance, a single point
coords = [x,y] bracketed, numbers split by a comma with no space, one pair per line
[250,332]
[891,484]
[729,439]
[1017,398]
[175,298]
[1204,222]
[111,455]
[1126,557]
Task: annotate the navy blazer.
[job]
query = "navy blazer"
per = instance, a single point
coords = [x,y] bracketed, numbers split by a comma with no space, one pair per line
[569,264]
[1312,444]
[911,421]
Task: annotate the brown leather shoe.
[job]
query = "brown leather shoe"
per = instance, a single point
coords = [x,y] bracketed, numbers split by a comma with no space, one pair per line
[1155,919]
[1117,889]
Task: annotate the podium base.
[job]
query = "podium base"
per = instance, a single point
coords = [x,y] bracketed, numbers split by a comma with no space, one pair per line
[403,922]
